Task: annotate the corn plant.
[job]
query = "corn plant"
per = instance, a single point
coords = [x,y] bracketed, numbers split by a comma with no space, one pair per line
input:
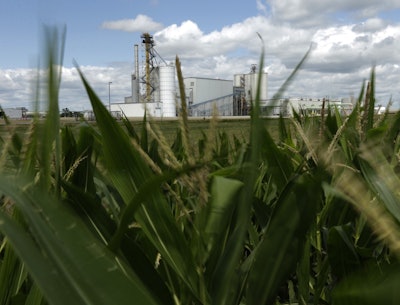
[109,214]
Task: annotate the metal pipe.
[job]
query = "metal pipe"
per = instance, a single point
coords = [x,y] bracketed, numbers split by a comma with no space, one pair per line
[136,48]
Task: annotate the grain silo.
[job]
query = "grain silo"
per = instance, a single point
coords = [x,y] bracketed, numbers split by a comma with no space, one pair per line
[250,83]
[167,90]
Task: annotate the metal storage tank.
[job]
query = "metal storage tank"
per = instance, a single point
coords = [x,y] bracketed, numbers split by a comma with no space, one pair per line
[155,85]
[135,89]
[251,82]
[167,90]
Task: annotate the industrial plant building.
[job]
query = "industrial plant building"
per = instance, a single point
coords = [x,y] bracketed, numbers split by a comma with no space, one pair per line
[154,92]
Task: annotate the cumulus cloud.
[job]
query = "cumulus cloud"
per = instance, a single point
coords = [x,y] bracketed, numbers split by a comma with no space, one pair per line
[16,87]
[141,23]
[370,25]
[346,49]
[189,42]
[317,13]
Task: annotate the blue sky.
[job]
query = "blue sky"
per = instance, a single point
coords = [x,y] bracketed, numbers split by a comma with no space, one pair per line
[214,39]
[21,22]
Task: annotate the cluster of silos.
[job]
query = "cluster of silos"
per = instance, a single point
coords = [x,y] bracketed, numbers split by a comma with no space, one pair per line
[156,86]
[250,83]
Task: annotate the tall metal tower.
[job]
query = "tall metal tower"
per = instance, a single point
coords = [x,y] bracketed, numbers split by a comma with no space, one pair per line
[148,44]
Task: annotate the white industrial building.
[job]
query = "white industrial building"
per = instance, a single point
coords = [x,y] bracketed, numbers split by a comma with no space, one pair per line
[229,98]
[154,92]
[14,113]
[314,106]
[306,106]
[199,90]
[202,94]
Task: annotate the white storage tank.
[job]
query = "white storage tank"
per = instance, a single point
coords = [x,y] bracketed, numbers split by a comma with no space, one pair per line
[167,90]
[251,83]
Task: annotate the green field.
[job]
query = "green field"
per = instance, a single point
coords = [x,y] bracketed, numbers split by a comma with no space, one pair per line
[238,127]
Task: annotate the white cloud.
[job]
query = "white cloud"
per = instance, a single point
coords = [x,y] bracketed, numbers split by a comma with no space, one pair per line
[141,23]
[188,30]
[317,12]
[189,42]
[344,49]
[16,86]
[342,58]
[370,25]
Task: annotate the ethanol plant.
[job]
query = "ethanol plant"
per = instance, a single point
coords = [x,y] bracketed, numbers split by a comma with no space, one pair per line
[154,92]
[152,85]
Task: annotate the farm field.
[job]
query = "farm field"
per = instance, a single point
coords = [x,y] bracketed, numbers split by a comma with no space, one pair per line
[238,127]
[236,212]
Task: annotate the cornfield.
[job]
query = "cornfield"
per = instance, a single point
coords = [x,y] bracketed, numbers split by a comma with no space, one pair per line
[115,214]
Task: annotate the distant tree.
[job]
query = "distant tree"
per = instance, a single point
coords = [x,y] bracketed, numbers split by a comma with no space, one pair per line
[66,113]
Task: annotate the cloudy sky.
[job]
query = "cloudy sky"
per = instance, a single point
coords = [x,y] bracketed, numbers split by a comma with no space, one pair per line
[215,39]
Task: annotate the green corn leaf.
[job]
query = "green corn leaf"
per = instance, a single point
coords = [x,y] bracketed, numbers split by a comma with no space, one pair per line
[341,251]
[35,296]
[141,197]
[284,135]
[394,128]
[129,127]
[278,163]
[373,285]
[40,268]
[12,275]
[282,245]
[99,222]
[303,274]
[370,97]
[88,206]
[67,262]
[219,210]
[378,185]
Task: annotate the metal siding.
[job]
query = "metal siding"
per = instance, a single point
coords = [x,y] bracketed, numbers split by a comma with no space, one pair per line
[205,89]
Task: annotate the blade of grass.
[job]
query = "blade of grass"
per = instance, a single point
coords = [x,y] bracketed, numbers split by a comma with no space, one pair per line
[184,115]
[52,123]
